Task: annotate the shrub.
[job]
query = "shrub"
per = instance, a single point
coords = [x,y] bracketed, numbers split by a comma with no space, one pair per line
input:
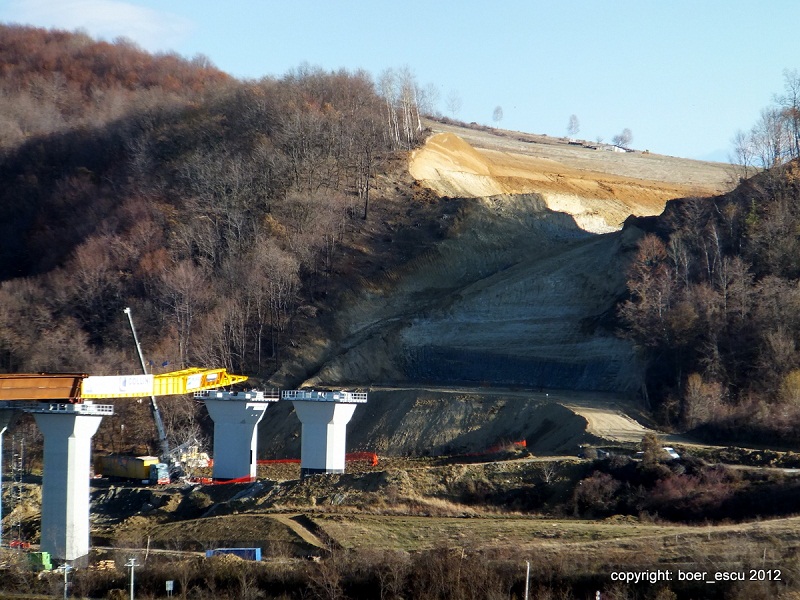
[596,495]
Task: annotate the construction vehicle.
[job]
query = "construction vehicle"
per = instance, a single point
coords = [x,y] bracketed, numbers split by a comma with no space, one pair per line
[190,456]
[146,469]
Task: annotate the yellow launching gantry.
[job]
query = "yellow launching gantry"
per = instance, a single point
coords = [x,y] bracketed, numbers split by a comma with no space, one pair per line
[77,387]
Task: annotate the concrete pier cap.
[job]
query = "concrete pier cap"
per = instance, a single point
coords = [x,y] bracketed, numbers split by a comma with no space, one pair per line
[324,417]
[236,416]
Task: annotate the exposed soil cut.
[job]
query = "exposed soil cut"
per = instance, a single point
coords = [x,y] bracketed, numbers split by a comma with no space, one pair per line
[598,200]
[519,294]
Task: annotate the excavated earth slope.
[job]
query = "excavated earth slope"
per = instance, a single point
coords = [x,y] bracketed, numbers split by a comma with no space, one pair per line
[598,201]
[517,295]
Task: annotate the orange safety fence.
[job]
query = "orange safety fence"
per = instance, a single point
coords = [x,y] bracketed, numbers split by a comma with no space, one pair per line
[369,457]
[210,481]
[499,448]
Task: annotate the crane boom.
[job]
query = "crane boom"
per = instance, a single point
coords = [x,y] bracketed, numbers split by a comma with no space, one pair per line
[162,433]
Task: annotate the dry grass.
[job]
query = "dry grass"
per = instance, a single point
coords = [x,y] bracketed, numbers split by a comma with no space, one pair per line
[601,545]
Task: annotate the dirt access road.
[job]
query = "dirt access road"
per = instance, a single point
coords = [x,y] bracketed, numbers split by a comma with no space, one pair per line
[606,414]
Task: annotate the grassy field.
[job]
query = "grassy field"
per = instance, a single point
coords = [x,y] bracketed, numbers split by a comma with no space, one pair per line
[592,547]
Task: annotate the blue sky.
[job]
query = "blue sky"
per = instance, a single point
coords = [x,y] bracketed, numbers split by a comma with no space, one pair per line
[682,75]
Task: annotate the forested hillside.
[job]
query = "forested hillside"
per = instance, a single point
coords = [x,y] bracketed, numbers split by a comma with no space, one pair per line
[715,306]
[220,210]
[53,81]
[234,217]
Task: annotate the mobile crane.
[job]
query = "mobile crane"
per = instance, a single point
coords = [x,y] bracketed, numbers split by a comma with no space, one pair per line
[162,434]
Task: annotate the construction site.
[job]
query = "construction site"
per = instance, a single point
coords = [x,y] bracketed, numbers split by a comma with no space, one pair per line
[458,415]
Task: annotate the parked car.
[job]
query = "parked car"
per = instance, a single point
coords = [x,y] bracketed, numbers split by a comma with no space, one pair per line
[672,454]
[669,451]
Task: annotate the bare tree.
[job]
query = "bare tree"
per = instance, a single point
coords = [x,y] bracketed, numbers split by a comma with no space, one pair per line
[623,139]
[547,471]
[770,138]
[497,115]
[743,152]
[429,99]
[454,102]
[184,289]
[409,105]
[573,126]
[700,400]
[387,87]
[790,108]
[402,97]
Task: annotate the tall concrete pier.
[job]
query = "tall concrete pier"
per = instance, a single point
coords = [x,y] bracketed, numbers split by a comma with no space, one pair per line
[236,416]
[324,417]
[67,431]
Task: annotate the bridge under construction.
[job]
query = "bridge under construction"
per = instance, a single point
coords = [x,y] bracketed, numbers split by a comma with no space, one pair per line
[63,405]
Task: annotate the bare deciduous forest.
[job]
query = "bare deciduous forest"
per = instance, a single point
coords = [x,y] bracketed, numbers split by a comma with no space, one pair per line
[714,293]
[714,306]
[216,208]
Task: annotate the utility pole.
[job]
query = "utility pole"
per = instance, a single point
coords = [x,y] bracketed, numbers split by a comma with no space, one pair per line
[66,568]
[132,564]
[527,577]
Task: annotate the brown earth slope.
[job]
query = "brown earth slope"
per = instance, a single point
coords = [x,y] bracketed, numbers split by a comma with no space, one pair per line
[599,195]
[519,293]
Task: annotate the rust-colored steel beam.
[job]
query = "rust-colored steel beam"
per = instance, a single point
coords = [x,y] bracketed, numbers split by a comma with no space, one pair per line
[41,386]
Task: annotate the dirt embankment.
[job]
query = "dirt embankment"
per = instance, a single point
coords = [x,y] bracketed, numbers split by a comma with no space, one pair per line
[437,421]
[520,293]
[513,297]
[599,200]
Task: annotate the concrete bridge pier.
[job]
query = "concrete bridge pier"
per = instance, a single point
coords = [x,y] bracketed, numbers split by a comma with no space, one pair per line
[324,417]
[67,431]
[236,416]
